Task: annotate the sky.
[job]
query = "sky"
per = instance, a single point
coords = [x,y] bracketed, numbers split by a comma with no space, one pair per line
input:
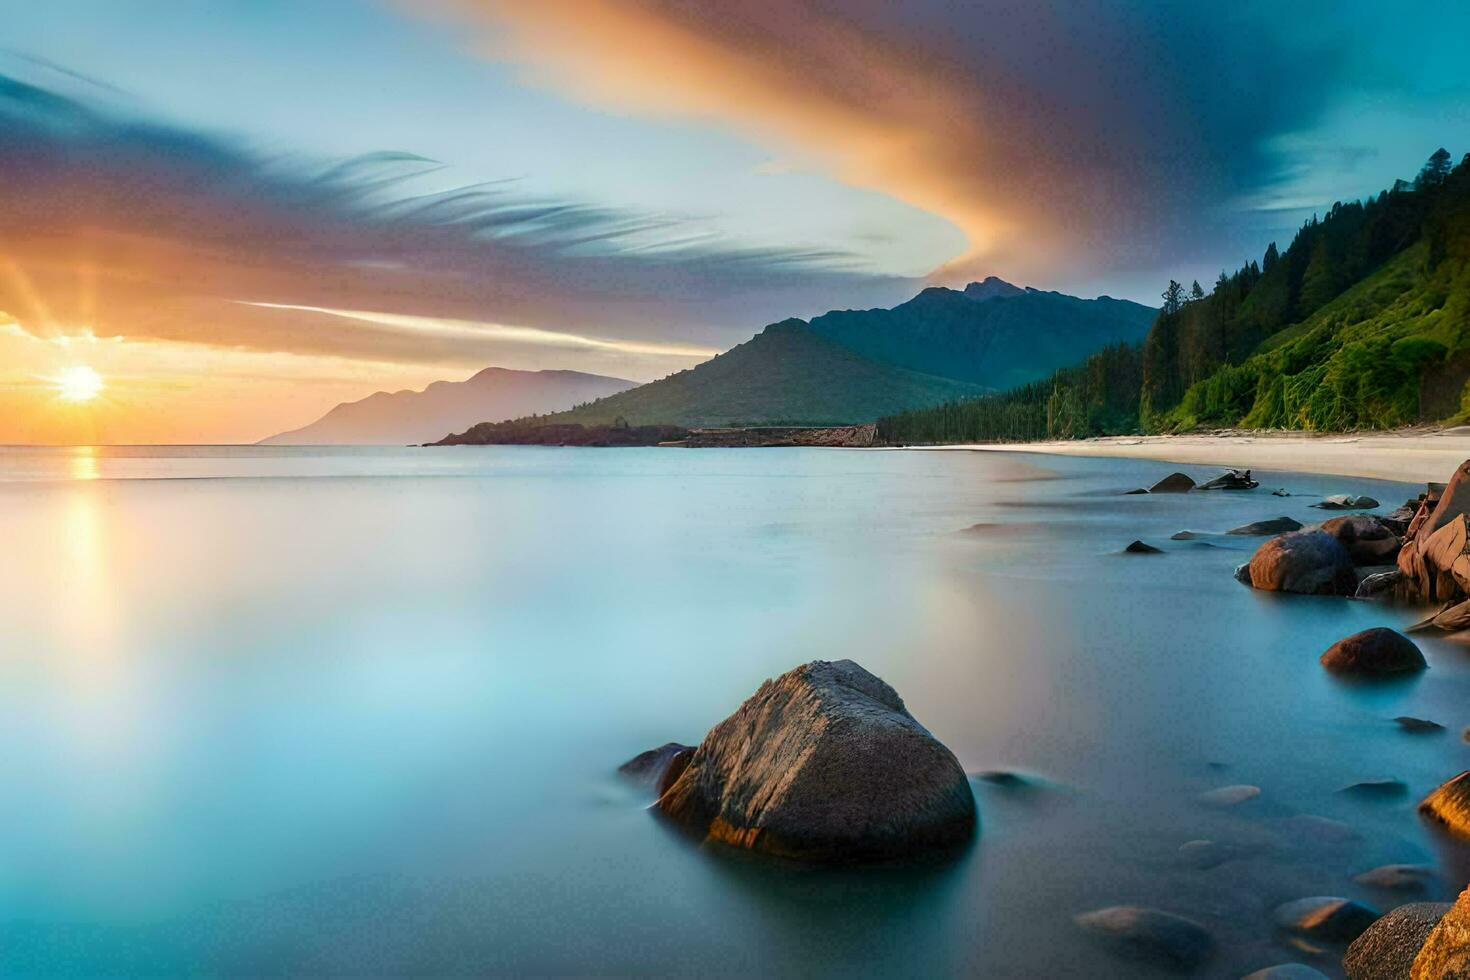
[239,213]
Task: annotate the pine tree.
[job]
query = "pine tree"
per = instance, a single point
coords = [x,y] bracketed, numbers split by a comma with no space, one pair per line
[1195,292]
[1173,297]
[1435,170]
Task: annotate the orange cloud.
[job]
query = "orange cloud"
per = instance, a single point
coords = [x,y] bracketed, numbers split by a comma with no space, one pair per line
[876,114]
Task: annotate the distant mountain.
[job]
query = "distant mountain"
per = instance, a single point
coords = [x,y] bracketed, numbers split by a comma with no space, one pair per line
[406,417]
[787,374]
[992,333]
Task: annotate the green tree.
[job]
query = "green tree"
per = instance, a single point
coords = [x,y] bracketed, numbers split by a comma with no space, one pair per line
[1435,169]
[1173,297]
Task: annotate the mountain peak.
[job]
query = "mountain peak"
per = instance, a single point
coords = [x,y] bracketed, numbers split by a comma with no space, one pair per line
[992,287]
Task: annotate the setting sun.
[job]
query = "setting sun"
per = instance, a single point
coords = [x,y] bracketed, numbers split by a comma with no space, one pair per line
[79,384]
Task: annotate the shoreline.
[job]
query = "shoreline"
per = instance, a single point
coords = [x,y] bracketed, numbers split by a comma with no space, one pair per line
[1408,456]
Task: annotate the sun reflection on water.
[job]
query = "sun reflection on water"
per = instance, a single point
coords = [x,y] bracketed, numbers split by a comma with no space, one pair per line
[83,463]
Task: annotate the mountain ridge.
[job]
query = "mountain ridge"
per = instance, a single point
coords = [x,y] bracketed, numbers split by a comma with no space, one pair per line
[409,416]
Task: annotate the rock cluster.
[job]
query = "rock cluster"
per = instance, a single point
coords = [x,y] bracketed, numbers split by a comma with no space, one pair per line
[1435,558]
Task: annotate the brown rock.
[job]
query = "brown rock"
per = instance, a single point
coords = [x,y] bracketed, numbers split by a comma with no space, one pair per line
[1327,918]
[1307,562]
[1367,539]
[1451,619]
[824,763]
[651,768]
[1386,949]
[1445,955]
[1373,651]
[1449,805]
[1372,584]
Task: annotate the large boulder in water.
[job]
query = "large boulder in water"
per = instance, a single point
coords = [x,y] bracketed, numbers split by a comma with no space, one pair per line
[1449,805]
[1307,562]
[1445,955]
[1373,651]
[1367,539]
[824,763]
[1386,949]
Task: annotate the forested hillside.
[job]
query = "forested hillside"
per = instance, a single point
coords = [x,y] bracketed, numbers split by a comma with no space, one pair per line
[1362,322]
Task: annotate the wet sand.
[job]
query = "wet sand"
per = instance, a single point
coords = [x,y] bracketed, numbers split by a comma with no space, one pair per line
[1413,455]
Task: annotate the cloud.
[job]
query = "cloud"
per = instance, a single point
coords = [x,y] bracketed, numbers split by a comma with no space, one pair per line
[124,227]
[1065,140]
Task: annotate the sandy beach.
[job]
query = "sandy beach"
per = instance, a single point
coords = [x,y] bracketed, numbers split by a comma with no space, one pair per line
[1411,455]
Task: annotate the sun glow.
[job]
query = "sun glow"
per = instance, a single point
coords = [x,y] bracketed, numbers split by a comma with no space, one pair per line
[78,384]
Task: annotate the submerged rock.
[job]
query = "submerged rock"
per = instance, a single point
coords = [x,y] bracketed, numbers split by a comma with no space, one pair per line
[1149,934]
[1229,795]
[1445,954]
[1346,501]
[1305,562]
[824,763]
[1377,789]
[1418,726]
[1276,525]
[1398,877]
[1173,483]
[1449,805]
[1386,949]
[1373,651]
[1202,855]
[1286,971]
[657,767]
[1367,539]
[1327,918]
[1243,573]
[1230,480]
[1139,548]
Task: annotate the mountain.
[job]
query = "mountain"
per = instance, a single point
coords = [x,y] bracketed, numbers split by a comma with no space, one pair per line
[785,375]
[1363,321]
[408,417]
[992,333]
[992,288]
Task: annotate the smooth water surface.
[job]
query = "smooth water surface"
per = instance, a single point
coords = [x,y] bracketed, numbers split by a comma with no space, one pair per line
[360,711]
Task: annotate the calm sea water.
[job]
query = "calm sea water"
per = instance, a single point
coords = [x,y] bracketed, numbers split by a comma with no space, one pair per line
[347,711]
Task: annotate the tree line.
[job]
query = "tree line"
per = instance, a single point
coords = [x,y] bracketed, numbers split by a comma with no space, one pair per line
[1359,360]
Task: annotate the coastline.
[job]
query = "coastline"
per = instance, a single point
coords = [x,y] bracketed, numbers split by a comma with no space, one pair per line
[1415,455]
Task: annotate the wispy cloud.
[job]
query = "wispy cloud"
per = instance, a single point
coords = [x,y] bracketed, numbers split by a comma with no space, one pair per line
[479,330]
[124,227]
